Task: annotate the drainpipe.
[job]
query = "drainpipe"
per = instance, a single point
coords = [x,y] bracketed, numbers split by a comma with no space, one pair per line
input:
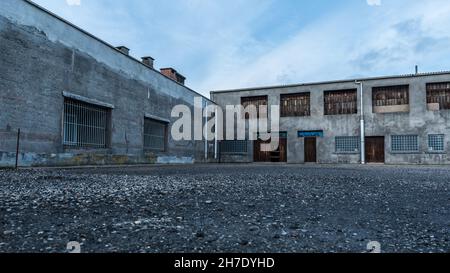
[216,135]
[205,132]
[363,127]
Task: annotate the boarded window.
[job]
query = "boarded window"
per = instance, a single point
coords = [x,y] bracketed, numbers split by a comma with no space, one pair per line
[390,95]
[85,125]
[436,143]
[155,133]
[405,144]
[234,147]
[439,94]
[347,144]
[295,105]
[342,102]
[257,102]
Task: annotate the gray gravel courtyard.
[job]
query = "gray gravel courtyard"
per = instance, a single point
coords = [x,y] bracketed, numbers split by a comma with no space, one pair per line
[226,208]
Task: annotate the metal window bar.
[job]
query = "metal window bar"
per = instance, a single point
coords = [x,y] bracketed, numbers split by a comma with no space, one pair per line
[436,143]
[342,102]
[439,93]
[348,144]
[405,143]
[154,135]
[85,125]
[390,95]
[234,147]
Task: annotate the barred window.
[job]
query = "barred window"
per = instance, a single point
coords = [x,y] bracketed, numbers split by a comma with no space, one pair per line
[155,134]
[85,125]
[234,147]
[295,105]
[436,143]
[256,101]
[406,143]
[347,144]
[439,93]
[390,95]
[342,102]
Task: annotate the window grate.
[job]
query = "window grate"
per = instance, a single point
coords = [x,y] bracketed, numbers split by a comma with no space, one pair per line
[155,133]
[390,95]
[85,125]
[258,102]
[295,105]
[436,143]
[342,102]
[439,93]
[405,143]
[234,147]
[347,144]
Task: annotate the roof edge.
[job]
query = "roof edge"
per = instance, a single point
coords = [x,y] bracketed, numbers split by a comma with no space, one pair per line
[107,44]
[331,82]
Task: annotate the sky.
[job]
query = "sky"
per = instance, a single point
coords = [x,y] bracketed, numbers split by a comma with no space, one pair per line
[227,44]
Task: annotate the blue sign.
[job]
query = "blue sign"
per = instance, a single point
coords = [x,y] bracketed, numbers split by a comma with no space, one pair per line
[310,134]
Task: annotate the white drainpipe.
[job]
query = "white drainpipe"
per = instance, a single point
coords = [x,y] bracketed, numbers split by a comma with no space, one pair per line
[363,127]
[216,135]
[205,133]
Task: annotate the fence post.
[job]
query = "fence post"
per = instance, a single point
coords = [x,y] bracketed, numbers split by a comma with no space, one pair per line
[17,149]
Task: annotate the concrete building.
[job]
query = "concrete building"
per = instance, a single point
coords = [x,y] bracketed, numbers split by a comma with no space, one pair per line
[79,100]
[406,120]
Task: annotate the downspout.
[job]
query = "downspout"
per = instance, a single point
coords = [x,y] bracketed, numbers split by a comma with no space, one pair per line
[205,127]
[363,127]
[216,135]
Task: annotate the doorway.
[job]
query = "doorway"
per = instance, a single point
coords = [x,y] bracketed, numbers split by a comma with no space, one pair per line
[310,150]
[279,155]
[375,150]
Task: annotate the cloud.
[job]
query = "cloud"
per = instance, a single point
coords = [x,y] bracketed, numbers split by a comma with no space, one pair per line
[218,45]
[73,2]
[374,2]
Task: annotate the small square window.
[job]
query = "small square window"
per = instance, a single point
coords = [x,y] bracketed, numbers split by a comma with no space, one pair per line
[436,143]
[405,143]
[347,144]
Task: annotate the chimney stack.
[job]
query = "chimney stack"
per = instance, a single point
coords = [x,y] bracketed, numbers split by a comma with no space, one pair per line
[148,61]
[173,74]
[417,69]
[125,50]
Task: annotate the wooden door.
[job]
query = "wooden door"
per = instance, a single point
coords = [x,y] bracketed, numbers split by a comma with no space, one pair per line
[375,149]
[279,155]
[310,149]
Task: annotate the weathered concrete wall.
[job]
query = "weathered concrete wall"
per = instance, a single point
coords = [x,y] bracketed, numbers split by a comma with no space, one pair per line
[42,57]
[418,121]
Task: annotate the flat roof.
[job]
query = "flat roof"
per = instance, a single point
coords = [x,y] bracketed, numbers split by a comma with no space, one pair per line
[110,46]
[333,82]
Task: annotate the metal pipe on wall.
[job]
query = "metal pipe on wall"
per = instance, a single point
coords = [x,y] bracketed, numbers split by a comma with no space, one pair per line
[363,127]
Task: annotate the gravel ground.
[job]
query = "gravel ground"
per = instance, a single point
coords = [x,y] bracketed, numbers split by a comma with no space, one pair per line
[226,208]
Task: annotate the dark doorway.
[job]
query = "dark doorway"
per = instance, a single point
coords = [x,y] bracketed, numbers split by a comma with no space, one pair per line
[279,155]
[374,149]
[310,150]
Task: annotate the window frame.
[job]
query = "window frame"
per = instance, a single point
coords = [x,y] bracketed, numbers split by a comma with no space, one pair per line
[357,140]
[246,101]
[165,124]
[298,98]
[444,94]
[430,150]
[74,108]
[389,95]
[394,151]
[326,101]
[243,143]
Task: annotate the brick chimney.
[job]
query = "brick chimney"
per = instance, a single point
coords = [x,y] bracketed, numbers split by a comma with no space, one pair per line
[125,50]
[173,74]
[148,61]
